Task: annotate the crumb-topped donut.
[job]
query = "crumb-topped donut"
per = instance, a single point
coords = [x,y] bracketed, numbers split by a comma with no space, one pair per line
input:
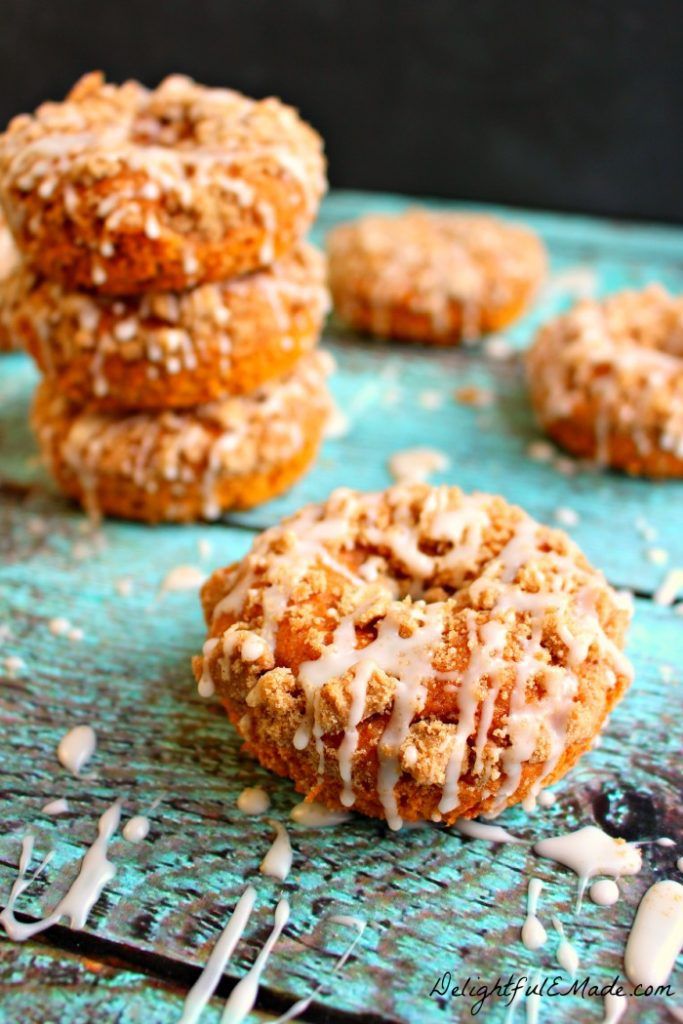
[415,654]
[169,350]
[186,465]
[9,263]
[606,381]
[122,189]
[432,277]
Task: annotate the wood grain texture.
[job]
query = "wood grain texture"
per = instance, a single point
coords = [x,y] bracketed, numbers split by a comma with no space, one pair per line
[435,902]
[40,984]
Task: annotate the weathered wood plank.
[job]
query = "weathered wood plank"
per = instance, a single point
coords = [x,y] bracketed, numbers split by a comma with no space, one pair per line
[39,984]
[433,900]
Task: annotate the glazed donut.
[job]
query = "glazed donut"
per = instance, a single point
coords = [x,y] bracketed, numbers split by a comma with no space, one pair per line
[122,190]
[438,278]
[181,466]
[174,349]
[415,654]
[606,381]
[9,263]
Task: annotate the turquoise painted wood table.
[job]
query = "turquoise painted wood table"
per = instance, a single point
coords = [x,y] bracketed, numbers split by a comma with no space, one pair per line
[434,901]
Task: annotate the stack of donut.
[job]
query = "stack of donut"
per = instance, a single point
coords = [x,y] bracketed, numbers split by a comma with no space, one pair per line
[167,295]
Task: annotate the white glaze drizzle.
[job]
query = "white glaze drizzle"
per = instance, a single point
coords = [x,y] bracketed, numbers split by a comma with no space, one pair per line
[541,451]
[565,954]
[533,1000]
[338,423]
[59,626]
[94,873]
[204,548]
[359,683]
[604,893]
[480,830]
[183,577]
[590,851]
[566,516]
[302,1004]
[14,666]
[517,998]
[55,807]
[22,883]
[205,686]
[204,987]
[406,658]
[656,936]
[415,465]
[124,587]
[498,348]
[314,815]
[243,996]
[533,933]
[136,828]
[529,803]
[76,748]
[431,399]
[253,800]
[670,587]
[277,863]
[614,1008]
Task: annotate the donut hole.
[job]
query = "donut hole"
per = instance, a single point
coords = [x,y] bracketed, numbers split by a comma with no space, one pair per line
[406,573]
[181,115]
[168,130]
[431,590]
[434,547]
[176,115]
[650,319]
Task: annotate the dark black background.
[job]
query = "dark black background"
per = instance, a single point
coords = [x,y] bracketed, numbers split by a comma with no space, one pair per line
[571,104]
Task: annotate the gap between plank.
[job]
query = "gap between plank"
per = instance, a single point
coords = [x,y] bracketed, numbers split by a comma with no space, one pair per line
[183,975]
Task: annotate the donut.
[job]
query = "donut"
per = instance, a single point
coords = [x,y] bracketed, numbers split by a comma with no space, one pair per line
[415,654]
[174,349]
[191,464]
[606,381]
[121,189]
[9,263]
[438,278]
